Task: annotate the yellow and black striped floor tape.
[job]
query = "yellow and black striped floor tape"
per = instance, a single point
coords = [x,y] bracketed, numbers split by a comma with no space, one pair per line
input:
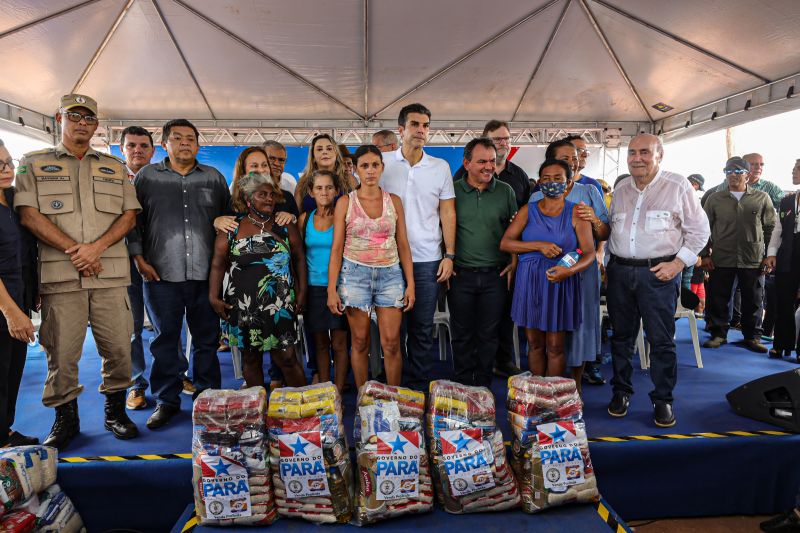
[672,436]
[602,509]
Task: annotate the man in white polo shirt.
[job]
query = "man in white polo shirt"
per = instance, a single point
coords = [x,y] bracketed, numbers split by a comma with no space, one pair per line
[425,185]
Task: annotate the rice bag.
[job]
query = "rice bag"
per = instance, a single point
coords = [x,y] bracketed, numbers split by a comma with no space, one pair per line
[549,449]
[393,476]
[56,513]
[230,461]
[40,463]
[470,470]
[310,459]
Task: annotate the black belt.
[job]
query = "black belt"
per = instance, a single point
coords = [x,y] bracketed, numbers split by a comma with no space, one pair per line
[641,262]
[458,268]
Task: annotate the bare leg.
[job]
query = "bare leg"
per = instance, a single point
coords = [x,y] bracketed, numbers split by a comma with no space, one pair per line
[577,374]
[253,368]
[359,349]
[341,359]
[292,371]
[389,319]
[323,345]
[537,363]
[556,360]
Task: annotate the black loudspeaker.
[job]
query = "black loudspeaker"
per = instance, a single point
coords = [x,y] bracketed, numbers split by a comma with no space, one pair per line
[774,399]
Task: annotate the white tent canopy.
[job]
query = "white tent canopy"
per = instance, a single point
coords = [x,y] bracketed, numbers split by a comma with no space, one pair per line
[260,66]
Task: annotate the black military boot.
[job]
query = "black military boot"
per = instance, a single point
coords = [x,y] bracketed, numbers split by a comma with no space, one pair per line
[117,420]
[65,427]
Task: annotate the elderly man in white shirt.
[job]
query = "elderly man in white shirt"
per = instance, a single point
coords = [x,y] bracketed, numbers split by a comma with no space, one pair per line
[657,229]
[425,186]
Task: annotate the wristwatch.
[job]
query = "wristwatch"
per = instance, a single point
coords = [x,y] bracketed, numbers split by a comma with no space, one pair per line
[451,257]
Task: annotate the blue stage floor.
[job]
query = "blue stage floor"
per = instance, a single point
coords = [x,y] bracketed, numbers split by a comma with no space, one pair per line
[584,518]
[639,478]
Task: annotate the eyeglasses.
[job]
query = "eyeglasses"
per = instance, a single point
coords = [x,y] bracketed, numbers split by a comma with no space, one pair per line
[584,152]
[74,116]
[501,139]
[737,171]
[274,159]
[8,163]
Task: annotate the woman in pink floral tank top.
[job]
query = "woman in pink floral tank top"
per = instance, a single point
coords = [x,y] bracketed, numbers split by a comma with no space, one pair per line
[369,259]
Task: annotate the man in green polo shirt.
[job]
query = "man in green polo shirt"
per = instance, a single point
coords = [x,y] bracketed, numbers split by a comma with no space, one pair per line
[483,274]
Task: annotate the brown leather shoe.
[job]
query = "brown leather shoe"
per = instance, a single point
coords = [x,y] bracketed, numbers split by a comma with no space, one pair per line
[136,400]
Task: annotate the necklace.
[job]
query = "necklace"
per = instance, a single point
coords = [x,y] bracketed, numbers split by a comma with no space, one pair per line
[258,223]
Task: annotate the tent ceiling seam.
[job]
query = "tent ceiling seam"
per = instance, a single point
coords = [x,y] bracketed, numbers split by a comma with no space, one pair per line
[183,57]
[599,31]
[366,58]
[45,18]
[682,41]
[103,45]
[541,58]
[267,57]
[444,70]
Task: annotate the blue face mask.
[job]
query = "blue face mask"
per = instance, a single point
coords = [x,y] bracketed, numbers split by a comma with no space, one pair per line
[553,189]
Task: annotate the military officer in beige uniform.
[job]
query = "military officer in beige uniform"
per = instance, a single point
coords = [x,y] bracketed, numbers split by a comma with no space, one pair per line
[80,204]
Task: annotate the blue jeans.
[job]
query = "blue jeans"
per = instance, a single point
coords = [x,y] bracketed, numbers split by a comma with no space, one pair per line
[136,296]
[634,294]
[418,322]
[166,303]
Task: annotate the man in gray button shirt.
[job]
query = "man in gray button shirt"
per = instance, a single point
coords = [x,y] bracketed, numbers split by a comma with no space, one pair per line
[172,246]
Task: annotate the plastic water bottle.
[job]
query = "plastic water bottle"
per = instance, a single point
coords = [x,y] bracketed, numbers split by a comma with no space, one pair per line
[570,259]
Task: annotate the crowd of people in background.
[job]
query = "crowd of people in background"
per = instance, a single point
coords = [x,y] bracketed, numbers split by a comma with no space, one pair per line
[368,245]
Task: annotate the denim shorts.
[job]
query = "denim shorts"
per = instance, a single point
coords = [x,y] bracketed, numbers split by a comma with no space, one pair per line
[365,288]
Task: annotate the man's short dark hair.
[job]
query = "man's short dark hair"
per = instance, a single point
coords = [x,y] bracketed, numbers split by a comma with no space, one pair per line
[412,108]
[135,130]
[486,142]
[178,122]
[550,153]
[571,138]
[273,144]
[494,125]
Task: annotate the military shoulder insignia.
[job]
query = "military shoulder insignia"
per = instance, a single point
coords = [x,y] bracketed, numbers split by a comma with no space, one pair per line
[23,169]
[41,152]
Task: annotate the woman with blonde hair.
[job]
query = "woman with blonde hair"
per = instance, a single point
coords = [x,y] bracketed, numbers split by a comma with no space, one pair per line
[323,154]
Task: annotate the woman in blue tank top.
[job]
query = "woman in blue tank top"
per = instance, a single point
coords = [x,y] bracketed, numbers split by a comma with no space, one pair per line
[547,297]
[327,329]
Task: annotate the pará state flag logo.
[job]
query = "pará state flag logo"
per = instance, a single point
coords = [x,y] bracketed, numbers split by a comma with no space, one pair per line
[556,432]
[219,466]
[398,443]
[461,441]
[303,444]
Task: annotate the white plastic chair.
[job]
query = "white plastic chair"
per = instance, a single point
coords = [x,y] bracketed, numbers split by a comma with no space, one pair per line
[644,348]
[441,329]
[680,312]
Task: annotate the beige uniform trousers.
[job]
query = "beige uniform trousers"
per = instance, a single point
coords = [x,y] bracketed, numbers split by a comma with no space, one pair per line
[63,330]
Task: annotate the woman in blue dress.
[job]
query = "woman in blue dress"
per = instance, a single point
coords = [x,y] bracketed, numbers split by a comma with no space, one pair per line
[547,297]
[583,344]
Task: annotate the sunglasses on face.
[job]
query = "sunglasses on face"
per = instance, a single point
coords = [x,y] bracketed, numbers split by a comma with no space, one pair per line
[737,171]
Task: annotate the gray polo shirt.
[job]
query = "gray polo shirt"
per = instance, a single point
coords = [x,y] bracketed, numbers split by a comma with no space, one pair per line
[175,230]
